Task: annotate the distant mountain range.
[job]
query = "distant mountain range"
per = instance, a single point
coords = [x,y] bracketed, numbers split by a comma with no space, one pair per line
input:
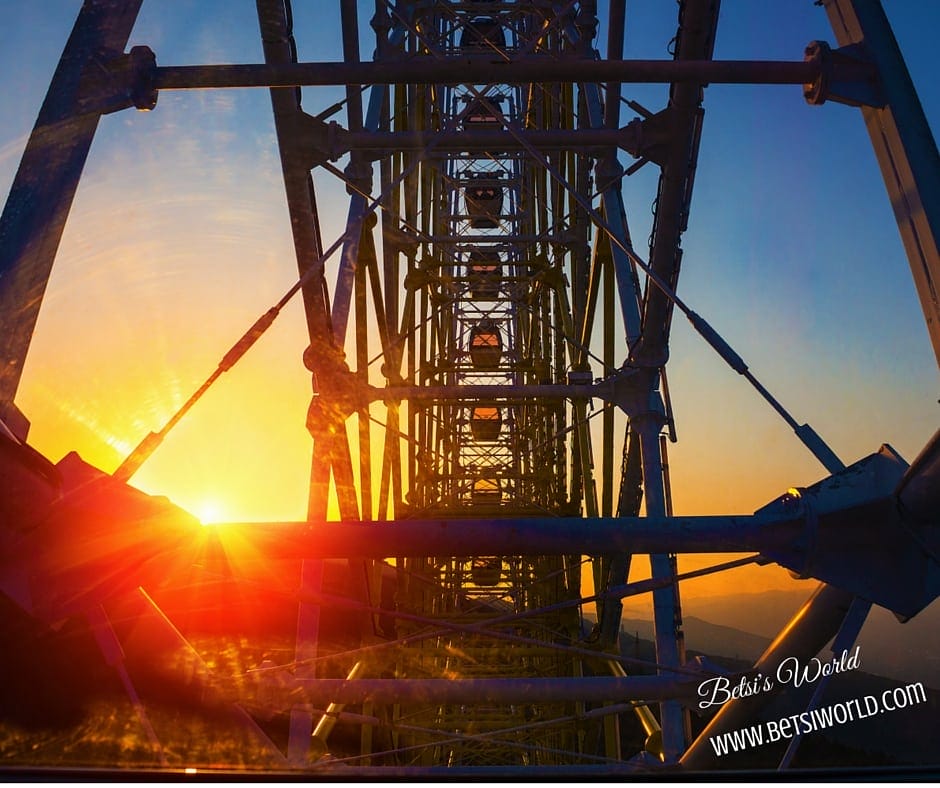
[741,626]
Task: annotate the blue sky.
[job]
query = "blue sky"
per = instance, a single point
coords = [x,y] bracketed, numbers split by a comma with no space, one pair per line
[792,254]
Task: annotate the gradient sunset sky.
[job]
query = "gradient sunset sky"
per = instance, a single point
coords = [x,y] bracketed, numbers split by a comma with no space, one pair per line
[179,239]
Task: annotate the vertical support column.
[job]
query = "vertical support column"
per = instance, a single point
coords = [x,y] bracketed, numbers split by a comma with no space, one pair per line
[278,43]
[40,198]
[666,613]
[608,173]
[362,374]
[277,40]
[300,735]
[359,180]
[903,144]
[607,448]
[359,171]
[695,37]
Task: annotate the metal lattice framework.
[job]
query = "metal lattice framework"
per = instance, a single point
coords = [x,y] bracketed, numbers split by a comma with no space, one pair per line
[483,305]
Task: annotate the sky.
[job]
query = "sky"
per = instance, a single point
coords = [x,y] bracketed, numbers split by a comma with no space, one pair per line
[179,239]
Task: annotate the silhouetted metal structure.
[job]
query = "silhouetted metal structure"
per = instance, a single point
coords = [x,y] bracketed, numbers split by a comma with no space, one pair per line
[486,293]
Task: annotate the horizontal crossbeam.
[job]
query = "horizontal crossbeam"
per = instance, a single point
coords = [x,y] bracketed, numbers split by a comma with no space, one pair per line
[510,536]
[499,691]
[462,69]
[471,139]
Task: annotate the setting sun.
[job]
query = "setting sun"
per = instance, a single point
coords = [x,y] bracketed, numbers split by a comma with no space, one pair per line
[210,512]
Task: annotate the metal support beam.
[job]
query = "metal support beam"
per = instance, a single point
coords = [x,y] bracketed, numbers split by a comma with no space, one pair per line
[40,198]
[844,640]
[608,174]
[667,614]
[804,531]
[809,630]
[698,20]
[279,50]
[594,689]
[515,536]
[298,185]
[903,144]
[333,142]
[359,173]
[528,773]
[477,70]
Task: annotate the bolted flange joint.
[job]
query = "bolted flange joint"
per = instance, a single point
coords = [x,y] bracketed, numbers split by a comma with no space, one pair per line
[115,81]
[845,75]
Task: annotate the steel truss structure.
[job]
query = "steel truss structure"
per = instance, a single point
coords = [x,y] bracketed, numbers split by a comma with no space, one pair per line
[484,295]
